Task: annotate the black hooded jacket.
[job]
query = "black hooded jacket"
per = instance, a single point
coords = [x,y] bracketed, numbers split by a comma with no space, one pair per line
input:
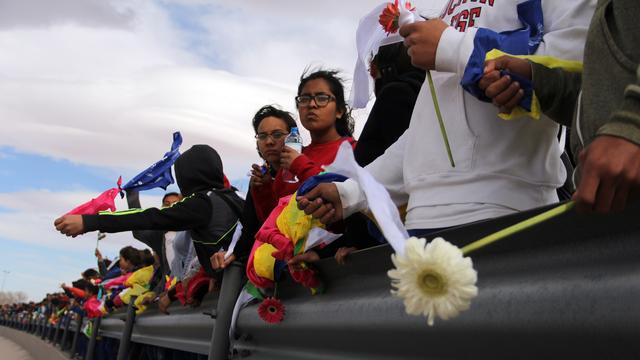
[390,115]
[209,211]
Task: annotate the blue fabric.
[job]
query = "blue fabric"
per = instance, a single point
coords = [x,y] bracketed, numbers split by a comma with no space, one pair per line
[278,268]
[314,181]
[523,41]
[112,273]
[158,174]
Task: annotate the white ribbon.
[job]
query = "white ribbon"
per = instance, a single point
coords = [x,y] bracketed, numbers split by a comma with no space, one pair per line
[234,240]
[243,299]
[318,236]
[379,200]
[370,36]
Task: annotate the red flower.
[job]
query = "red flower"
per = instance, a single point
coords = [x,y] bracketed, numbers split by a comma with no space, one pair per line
[271,310]
[390,15]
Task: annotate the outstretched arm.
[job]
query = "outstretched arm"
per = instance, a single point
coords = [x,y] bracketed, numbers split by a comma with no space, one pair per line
[193,211]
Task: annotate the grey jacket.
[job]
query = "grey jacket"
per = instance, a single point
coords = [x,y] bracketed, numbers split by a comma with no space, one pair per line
[609,103]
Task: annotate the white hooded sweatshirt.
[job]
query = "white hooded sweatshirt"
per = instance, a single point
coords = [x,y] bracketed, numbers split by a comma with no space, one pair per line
[500,166]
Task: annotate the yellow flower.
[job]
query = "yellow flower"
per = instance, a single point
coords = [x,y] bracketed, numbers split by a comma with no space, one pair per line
[435,280]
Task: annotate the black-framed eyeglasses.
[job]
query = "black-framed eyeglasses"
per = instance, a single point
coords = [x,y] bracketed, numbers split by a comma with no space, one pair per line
[276,135]
[321,100]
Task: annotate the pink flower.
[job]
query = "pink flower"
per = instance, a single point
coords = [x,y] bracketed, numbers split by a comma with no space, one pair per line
[271,310]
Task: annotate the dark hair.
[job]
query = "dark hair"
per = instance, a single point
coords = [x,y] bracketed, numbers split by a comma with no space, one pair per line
[344,125]
[270,110]
[90,273]
[80,284]
[170,194]
[132,255]
[393,60]
[91,288]
[146,257]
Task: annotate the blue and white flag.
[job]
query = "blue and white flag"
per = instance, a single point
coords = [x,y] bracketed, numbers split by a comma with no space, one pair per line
[158,174]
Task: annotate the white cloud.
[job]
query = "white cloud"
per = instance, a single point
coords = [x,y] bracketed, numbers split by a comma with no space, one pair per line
[111,96]
[39,13]
[29,218]
[105,83]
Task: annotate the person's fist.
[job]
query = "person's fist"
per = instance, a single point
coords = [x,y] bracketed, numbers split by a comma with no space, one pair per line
[219,262]
[421,39]
[259,176]
[323,203]
[70,225]
[504,92]
[609,173]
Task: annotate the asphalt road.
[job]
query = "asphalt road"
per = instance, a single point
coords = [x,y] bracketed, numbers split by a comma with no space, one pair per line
[18,345]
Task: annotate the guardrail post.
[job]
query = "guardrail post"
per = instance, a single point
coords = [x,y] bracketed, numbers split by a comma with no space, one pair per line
[125,341]
[41,322]
[57,332]
[65,335]
[74,343]
[44,327]
[94,335]
[231,285]
[49,329]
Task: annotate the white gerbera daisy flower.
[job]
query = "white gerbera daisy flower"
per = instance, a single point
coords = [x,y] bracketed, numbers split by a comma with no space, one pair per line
[433,280]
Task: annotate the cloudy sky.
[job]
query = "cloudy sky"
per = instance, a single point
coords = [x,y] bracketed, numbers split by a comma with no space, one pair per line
[93,89]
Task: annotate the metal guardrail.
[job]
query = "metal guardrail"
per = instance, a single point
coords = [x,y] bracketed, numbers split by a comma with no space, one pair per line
[186,329]
[568,288]
[67,339]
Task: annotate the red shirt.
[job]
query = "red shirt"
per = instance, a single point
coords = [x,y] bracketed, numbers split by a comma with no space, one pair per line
[308,164]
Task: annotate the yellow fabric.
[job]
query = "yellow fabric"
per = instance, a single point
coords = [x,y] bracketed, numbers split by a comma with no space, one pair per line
[135,290]
[141,276]
[138,303]
[171,281]
[137,283]
[263,262]
[548,61]
[294,223]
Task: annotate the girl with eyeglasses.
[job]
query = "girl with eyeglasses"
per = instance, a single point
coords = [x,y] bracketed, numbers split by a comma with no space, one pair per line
[324,113]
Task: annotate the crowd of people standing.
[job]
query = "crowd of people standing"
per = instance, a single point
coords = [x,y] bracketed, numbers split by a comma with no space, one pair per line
[501,166]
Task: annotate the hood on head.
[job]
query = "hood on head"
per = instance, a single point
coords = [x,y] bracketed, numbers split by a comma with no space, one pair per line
[199,169]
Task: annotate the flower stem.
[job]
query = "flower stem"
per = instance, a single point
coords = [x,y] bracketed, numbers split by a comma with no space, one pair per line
[436,105]
[518,227]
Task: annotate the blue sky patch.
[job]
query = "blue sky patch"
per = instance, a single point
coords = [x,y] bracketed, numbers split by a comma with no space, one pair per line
[21,171]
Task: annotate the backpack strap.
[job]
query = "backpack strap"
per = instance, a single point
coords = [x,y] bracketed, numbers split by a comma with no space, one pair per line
[224,195]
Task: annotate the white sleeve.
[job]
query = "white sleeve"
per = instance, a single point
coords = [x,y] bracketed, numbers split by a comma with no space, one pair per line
[387,170]
[351,197]
[454,50]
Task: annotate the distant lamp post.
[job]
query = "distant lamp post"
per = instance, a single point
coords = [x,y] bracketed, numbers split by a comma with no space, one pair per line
[4,278]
